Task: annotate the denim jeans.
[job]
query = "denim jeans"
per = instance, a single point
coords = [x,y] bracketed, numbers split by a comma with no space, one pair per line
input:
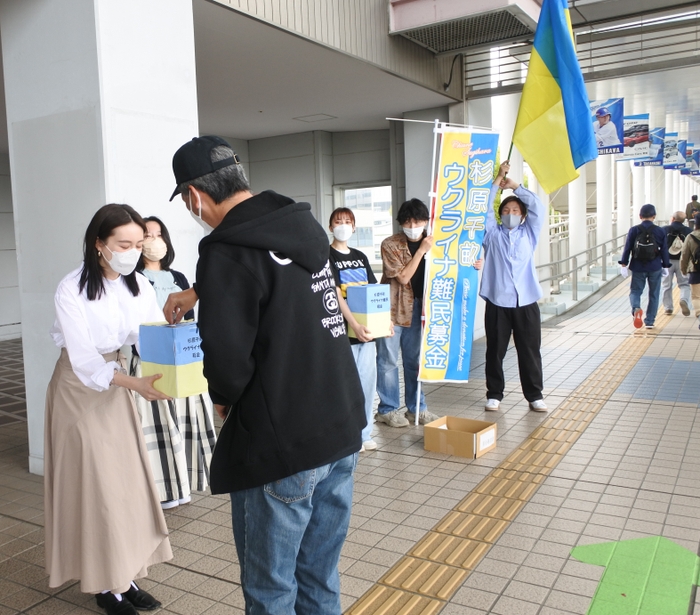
[366,361]
[639,279]
[408,340]
[288,535]
[681,280]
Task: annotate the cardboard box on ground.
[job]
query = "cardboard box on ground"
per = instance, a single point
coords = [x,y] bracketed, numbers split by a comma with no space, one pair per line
[174,351]
[452,435]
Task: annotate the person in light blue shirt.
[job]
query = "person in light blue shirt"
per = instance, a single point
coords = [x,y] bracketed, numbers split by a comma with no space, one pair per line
[510,287]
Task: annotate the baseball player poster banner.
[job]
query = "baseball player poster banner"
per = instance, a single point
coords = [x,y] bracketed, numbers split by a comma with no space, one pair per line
[657,136]
[636,137]
[674,152]
[465,172]
[695,167]
[607,117]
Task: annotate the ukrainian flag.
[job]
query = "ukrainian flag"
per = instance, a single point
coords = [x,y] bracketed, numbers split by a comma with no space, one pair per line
[554,130]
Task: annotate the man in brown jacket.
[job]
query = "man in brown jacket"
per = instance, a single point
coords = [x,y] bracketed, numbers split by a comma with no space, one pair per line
[404,270]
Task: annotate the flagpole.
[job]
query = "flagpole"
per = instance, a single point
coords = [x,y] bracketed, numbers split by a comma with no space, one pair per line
[510,151]
[433,196]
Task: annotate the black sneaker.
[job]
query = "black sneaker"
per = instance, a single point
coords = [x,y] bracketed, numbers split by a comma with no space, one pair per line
[113,606]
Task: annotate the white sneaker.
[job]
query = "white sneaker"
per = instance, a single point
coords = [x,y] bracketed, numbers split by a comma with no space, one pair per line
[492,404]
[169,504]
[538,405]
[685,308]
[395,418]
[369,445]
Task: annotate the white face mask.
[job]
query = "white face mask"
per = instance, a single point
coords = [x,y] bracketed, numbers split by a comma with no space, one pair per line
[154,249]
[124,263]
[511,221]
[198,218]
[342,232]
[413,233]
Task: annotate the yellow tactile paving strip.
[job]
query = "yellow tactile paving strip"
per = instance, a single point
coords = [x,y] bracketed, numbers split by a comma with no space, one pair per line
[424,581]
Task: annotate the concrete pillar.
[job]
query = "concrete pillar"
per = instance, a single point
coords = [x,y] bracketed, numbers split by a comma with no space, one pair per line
[99,96]
[639,181]
[504,112]
[542,253]
[624,178]
[664,196]
[478,112]
[604,198]
[674,203]
[577,214]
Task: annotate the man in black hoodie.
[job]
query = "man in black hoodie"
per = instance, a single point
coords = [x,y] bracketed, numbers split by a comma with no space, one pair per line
[281,374]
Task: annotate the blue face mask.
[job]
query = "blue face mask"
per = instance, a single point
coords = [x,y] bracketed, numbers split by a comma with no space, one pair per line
[511,221]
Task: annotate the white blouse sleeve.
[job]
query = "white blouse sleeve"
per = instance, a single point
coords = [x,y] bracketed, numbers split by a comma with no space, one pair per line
[88,365]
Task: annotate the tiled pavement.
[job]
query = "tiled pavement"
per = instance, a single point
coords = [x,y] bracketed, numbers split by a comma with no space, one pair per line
[632,473]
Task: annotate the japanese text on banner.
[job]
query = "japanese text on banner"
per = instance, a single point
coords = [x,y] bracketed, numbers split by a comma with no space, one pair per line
[465,173]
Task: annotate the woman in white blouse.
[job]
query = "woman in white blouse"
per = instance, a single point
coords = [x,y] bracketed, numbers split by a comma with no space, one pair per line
[104,524]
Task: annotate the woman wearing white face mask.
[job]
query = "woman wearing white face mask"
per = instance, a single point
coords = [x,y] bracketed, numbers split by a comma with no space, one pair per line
[351,268]
[511,289]
[179,432]
[104,525]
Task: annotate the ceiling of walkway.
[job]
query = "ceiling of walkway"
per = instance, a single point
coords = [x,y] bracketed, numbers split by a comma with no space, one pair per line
[602,11]
[254,80]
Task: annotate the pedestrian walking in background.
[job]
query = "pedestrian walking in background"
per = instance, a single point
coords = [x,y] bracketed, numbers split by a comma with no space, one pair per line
[646,253]
[675,237]
[690,265]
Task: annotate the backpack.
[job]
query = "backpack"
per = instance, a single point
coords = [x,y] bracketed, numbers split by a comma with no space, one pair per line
[695,257]
[676,245]
[646,248]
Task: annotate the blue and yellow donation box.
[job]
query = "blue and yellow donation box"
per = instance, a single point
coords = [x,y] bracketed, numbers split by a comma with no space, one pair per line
[370,304]
[174,351]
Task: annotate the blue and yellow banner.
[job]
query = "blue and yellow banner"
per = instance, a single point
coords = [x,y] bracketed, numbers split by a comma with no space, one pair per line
[553,131]
[465,172]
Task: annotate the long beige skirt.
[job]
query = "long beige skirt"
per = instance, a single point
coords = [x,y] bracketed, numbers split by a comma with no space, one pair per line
[104,523]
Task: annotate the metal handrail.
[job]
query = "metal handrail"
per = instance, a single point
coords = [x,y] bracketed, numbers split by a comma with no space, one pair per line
[593,255]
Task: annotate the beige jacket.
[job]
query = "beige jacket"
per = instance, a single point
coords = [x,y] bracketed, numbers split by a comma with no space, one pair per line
[689,247]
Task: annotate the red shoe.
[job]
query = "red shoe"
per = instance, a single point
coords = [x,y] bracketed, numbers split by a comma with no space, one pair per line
[638,324]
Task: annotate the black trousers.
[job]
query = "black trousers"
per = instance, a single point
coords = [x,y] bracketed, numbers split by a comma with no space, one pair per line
[524,323]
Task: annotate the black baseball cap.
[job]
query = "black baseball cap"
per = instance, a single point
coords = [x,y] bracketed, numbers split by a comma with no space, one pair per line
[647,211]
[193,160]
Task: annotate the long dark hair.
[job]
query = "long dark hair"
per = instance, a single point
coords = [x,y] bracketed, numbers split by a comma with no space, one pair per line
[167,260]
[101,227]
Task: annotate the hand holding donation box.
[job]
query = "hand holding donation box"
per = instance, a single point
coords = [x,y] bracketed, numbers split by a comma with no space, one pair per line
[174,351]
[370,304]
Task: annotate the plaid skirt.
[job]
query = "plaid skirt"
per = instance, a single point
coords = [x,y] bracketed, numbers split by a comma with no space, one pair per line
[180,439]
